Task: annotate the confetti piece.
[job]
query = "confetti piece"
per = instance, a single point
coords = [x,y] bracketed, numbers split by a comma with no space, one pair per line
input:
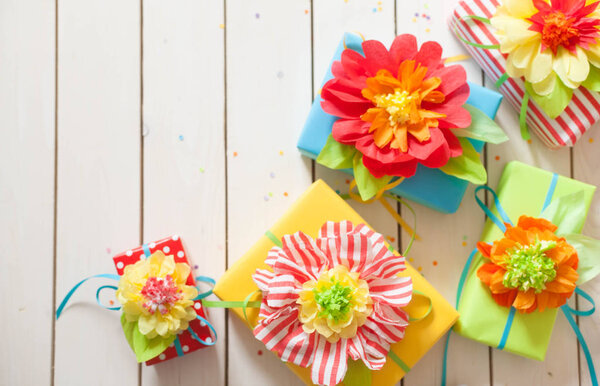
[428,17]
[285,194]
[435,262]
[259,352]
[426,6]
[374,9]
[107,250]
[270,194]
[111,302]
[529,141]
[347,181]
[414,20]
[464,243]
[420,269]
[427,30]
[180,137]
[423,15]
[195,266]
[257,15]
[464,237]
[221,26]
[272,175]
[266,198]
[379,3]
[497,158]
[411,259]
[416,15]
[379,9]
[338,191]
[235,153]
[201,170]
[392,239]
[306,11]
[280,75]
[280,152]
[591,140]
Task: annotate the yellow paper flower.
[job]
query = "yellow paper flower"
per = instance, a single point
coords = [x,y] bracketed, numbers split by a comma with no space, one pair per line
[153,293]
[549,40]
[335,305]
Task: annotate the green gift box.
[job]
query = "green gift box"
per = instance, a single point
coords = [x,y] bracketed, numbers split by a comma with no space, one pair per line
[522,190]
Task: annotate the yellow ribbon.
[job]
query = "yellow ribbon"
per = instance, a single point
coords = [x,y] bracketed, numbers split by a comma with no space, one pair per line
[379,197]
[456,58]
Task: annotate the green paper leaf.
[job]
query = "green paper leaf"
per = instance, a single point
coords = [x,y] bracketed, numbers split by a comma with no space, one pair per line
[143,347]
[467,166]
[588,250]
[482,128]
[367,184]
[335,155]
[567,212]
[358,374]
[592,82]
[554,103]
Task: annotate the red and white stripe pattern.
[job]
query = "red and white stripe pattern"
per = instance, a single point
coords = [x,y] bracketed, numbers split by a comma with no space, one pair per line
[301,259]
[580,114]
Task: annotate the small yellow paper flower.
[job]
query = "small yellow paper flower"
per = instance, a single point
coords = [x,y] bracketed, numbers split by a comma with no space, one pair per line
[545,40]
[335,305]
[153,293]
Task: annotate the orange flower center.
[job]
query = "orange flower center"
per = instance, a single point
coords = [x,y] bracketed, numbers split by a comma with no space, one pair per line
[398,108]
[558,30]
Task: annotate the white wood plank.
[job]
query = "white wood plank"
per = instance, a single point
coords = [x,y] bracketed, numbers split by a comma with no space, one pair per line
[585,168]
[268,97]
[447,238]
[184,160]
[27,189]
[560,366]
[98,180]
[357,17]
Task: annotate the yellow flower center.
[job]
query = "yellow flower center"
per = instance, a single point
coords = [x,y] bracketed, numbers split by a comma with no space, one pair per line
[335,305]
[399,105]
[557,30]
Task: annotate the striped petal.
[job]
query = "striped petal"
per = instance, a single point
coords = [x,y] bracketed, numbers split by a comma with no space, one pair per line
[301,257]
[372,354]
[297,347]
[387,322]
[334,229]
[276,327]
[262,277]
[329,362]
[282,290]
[351,250]
[384,267]
[394,291]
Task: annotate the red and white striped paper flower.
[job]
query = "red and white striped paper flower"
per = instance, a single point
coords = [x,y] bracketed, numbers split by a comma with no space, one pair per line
[333,297]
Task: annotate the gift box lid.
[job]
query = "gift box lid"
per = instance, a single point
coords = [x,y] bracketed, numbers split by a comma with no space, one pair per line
[316,206]
[522,191]
[425,185]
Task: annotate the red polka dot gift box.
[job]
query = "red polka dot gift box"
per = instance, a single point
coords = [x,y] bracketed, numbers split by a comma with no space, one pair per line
[189,339]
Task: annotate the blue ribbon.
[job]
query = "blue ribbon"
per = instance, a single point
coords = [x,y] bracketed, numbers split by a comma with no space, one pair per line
[567,310]
[146,250]
[63,304]
[178,348]
[193,334]
[208,280]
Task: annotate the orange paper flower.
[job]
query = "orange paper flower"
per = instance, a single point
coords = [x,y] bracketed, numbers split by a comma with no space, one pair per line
[530,267]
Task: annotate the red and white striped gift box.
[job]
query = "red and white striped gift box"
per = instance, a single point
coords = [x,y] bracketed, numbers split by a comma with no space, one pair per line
[581,113]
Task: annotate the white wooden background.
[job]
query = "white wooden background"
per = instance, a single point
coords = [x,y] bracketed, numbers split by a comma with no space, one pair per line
[129,120]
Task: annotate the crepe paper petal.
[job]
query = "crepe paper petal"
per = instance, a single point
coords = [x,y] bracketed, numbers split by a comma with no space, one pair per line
[377,56]
[143,347]
[358,374]
[588,251]
[592,82]
[403,48]
[554,103]
[567,212]
[482,128]
[468,166]
[336,155]
[367,184]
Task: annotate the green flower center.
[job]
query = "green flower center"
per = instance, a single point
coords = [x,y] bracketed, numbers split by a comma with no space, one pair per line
[529,267]
[335,300]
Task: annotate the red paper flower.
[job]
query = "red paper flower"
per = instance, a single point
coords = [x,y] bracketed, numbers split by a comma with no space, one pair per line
[398,107]
[333,297]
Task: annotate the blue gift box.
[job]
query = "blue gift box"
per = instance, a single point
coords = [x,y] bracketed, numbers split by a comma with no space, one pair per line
[429,187]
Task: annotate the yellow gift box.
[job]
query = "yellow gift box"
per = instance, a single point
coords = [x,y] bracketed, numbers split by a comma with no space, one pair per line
[316,206]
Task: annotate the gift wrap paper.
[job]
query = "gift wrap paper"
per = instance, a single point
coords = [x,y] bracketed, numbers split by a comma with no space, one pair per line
[316,206]
[522,190]
[425,186]
[581,113]
[170,246]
